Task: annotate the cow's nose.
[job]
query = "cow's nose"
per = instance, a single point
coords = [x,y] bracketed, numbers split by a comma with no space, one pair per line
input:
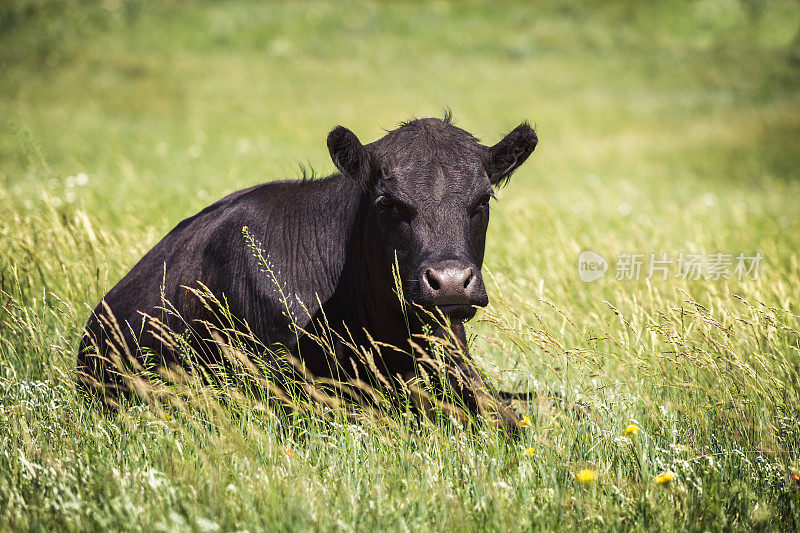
[450,284]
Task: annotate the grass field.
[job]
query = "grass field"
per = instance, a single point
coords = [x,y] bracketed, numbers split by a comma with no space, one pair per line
[669,127]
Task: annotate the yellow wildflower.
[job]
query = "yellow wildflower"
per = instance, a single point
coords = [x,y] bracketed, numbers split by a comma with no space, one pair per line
[525,422]
[665,477]
[586,476]
[529,451]
[631,430]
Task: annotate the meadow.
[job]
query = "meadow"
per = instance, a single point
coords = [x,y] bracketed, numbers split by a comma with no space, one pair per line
[665,128]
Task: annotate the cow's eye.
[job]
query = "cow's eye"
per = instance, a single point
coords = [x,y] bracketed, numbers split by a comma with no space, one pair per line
[394,207]
[482,204]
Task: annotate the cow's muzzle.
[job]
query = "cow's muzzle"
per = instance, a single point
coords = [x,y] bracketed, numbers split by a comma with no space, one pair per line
[454,287]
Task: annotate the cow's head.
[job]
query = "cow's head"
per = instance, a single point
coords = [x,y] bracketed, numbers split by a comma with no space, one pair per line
[429,186]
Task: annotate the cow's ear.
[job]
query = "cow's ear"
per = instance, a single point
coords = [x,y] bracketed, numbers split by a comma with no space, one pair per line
[504,157]
[349,155]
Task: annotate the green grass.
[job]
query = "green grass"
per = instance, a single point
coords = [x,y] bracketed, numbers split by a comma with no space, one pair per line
[665,128]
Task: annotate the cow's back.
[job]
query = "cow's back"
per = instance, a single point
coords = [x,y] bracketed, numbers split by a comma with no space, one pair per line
[292,226]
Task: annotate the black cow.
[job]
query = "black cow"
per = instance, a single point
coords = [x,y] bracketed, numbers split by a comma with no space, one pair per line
[412,205]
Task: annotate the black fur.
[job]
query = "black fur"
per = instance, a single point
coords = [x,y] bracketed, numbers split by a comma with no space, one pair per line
[419,194]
